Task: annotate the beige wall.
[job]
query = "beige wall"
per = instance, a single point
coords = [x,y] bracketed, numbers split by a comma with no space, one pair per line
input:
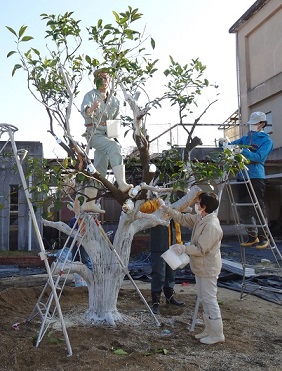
[259,66]
[259,51]
[264,50]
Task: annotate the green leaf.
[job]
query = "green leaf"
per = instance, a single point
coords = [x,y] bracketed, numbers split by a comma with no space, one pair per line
[37,52]
[10,53]
[166,72]
[116,16]
[16,67]
[162,350]
[108,27]
[22,30]
[73,162]
[81,200]
[27,38]
[80,177]
[120,352]
[52,339]
[88,59]
[11,30]
[45,214]
[238,157]
[65,163]
[153,44]
[44,187]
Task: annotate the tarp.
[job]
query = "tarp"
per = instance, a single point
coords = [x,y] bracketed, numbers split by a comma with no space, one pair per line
[268,287]
[14,270]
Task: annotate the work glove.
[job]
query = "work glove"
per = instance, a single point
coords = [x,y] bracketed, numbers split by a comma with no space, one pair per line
[128,206]
[223,140]
[178,249]
[237,150]
[187,209]
[162,204]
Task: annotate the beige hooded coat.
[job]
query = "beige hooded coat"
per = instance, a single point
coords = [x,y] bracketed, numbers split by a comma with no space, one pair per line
[204,248]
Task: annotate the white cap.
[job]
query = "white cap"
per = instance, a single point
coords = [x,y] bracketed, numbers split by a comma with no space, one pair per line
[256,118]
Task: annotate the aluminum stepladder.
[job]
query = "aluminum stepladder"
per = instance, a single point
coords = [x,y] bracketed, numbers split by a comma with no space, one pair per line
[44,308]
[63,265]
[261,224]
[10,130]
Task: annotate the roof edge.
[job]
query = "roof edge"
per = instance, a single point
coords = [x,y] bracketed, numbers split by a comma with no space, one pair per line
[247,15]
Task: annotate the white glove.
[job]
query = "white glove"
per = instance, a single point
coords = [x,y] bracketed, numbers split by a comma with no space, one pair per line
[187,209]
[162,205]
[133,192]
[128,206]
[178,249]
[222,140]
[161,202]
[237,150]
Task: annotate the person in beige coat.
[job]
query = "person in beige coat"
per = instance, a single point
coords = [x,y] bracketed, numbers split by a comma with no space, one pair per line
[205,259]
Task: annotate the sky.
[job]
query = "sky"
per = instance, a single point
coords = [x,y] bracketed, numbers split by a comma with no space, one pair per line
[183,29]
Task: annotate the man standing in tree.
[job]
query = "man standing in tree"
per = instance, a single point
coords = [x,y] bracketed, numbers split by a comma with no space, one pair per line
[97,107]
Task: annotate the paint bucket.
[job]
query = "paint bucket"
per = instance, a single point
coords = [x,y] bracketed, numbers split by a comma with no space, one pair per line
[185,260]
[175,261]
[113,128]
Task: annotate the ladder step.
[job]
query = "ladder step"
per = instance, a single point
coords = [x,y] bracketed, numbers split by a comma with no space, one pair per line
[254,225]
[57,288]
[254,204]
[235,182]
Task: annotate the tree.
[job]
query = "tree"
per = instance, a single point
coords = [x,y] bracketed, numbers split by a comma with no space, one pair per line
[54,82]
[186,84]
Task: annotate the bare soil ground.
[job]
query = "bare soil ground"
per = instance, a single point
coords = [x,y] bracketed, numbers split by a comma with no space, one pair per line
[252,327]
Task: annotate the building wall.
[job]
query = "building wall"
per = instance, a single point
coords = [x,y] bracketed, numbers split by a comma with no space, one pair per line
[259,55]
[21,225]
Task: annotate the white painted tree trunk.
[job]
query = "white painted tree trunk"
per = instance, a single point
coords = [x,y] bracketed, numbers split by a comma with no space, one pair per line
[105,280]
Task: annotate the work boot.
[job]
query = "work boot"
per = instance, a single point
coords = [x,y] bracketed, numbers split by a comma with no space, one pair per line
[170,299]
[206,331]
[251,241]
[156,297]
[216,332]
[119,172]
[91,206]
[263,242]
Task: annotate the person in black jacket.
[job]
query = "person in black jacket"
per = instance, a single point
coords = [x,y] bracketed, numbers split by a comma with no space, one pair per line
[163,277]
[78,251]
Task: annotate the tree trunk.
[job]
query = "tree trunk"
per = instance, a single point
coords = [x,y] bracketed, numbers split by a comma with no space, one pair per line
[110,261]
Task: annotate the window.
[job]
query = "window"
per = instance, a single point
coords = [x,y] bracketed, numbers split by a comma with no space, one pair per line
[268,129]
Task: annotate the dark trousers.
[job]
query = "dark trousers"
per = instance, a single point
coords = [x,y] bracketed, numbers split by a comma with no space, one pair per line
[79,254]
[162,275]
[248,214]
